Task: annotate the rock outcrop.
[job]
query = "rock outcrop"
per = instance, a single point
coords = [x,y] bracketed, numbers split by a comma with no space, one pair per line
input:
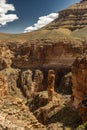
[79,89]
[5,56]
[38,80]
[14,115]
[27,83]
[55,115]
[51,54]
[12,76]
[3,86]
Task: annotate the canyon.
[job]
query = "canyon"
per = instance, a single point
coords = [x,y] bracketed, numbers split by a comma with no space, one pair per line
[26,84]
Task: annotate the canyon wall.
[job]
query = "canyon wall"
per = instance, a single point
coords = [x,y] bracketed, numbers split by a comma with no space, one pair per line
[79,89]
[45,54]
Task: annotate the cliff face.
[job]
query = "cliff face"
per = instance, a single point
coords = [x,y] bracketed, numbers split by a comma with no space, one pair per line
[73,17]
[79,80]
[46,54]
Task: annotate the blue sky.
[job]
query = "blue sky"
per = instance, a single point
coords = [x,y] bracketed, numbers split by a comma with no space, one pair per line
[17,15]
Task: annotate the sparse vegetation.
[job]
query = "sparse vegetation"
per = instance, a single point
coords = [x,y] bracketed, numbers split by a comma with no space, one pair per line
[82,127]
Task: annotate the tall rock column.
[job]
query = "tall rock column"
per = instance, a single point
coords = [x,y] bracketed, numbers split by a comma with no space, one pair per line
[38,80]
[79,89]
[27,83]
[50,88]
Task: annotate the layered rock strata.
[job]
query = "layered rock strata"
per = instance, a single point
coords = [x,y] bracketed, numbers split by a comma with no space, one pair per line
[47,54]
[73,17]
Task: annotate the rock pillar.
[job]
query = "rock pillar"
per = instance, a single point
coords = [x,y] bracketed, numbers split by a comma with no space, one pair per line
[38,80]
[27,83]
[50,88]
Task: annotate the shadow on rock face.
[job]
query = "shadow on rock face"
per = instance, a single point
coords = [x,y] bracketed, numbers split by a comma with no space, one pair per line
[37,101]
[65,86]
[66,116]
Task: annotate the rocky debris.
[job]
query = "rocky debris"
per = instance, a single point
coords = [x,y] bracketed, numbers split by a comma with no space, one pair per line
[79,89]
[55,115]
[66,118]
[51,82]
[39,104]
[65,86]
[14,115]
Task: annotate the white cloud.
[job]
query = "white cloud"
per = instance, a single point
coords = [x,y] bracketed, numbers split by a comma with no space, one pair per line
[4,17]
[42,21]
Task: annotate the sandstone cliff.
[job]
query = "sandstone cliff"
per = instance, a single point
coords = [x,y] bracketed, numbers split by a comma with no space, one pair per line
[79,75]
[73,17]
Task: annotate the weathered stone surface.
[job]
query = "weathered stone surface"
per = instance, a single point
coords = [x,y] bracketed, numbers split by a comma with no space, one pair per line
[53,113]
[65,86]
[15,117]
[38,80]
[79,74]
[12,79]
[51,55]
[27,83]
[3,86]
[50,88]
[6,56]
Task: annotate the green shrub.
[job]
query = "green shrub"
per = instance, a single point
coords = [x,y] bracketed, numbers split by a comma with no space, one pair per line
[82,127]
